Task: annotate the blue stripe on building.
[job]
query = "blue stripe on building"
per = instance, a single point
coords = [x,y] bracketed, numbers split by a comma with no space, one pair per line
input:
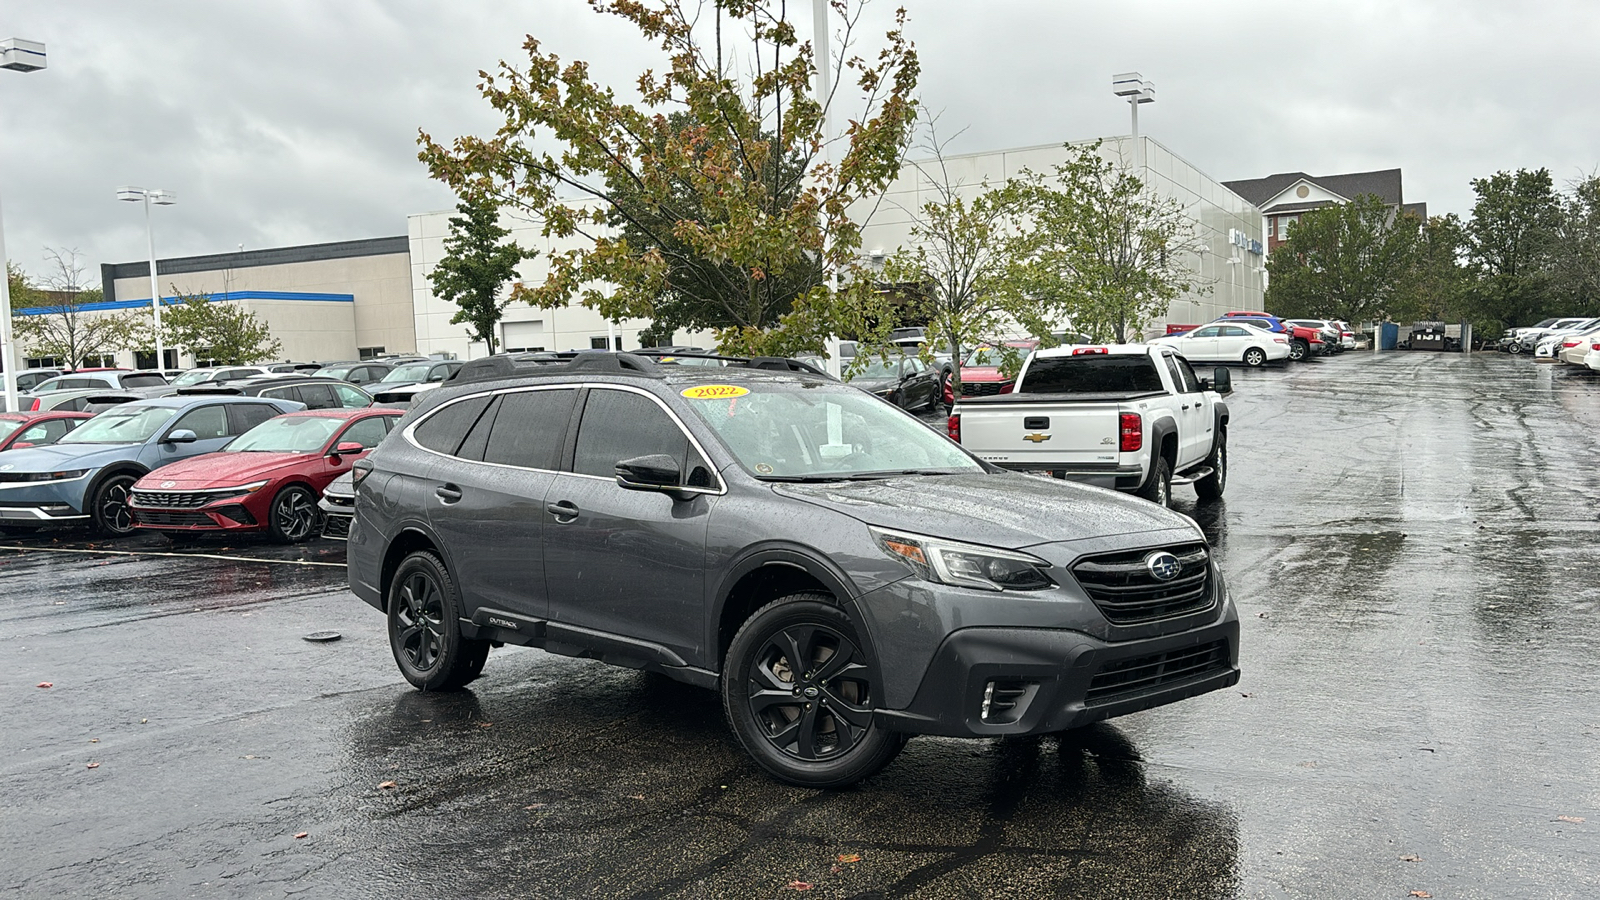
[174,301]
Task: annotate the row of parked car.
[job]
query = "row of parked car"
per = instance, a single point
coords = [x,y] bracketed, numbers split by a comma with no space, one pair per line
[1574,341]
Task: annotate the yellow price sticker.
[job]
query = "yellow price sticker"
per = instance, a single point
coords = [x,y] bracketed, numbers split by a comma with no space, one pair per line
[714,391]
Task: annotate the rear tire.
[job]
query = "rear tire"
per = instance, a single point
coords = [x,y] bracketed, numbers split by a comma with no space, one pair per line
[1209,489]
[425,627]
[799,692]
[1255,357]
[1158,489]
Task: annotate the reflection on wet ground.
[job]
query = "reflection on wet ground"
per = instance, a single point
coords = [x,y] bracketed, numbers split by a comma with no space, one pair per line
[1411,540]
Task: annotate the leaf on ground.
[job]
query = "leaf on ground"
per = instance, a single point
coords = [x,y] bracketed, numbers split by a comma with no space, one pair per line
[635,796]
[387,785]
[534,806]
[1576,820]
[94,740]
[849,857]
[801,885]
[47,684]
[1411,857]
[300,834]
[92,766]
[1419,894]
[485,724]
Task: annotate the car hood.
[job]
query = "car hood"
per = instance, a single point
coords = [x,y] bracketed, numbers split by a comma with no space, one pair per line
[227,469]
[1001,510]
[56,457]
[981,373]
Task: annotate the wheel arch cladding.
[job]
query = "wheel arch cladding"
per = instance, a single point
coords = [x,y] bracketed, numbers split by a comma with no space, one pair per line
[764,577]
[405,543]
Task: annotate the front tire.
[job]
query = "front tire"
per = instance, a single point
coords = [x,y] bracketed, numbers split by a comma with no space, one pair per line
[1299,350]
[800,695]
[425,627]
[1209,489]
[108,506]
[1158,489]
[293,515]
[1255,357]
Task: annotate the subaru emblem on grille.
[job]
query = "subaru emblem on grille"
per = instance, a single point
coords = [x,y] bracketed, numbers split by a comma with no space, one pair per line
[1163,565]
[167,484]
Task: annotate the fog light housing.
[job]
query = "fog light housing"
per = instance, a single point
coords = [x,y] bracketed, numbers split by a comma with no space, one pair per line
[1005,700]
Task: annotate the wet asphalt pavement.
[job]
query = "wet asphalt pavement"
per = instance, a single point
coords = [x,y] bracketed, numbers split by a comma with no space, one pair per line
[1411,539]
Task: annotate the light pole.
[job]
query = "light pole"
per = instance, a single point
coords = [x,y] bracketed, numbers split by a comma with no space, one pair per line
[18,56]
[159,198]
[1134,86]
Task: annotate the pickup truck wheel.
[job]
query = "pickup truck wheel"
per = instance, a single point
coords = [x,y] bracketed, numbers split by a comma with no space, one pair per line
[425,627]
[799,693]
[1210,487]
[1299,350]
[1158,489]
[1255,357]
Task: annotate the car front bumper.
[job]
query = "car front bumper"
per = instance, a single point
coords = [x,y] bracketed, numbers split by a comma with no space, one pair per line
[229,511]
[43,502]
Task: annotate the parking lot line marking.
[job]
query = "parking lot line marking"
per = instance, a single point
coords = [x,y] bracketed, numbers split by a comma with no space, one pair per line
[281,562]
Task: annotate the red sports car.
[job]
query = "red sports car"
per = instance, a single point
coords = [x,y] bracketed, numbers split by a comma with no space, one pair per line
[267,479]
[35,429]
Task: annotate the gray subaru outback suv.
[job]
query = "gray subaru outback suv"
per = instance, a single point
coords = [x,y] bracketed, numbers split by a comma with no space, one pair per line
[845,576]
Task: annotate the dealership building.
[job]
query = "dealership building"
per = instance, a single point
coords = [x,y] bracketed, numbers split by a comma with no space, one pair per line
[367,298]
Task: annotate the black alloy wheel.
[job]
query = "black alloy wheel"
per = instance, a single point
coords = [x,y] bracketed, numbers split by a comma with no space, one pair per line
[800,693]
[1255,357]
[109,508]
[293,516]
[425,629]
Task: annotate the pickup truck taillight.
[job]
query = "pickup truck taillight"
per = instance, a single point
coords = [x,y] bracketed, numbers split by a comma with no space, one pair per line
[1132,432]
[954,425]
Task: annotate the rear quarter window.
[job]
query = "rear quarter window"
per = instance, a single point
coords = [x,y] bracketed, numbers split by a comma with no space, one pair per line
[1091,375]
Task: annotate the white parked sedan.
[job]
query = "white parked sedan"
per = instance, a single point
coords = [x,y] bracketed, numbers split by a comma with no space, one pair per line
[1229,342]
[1572,348]
[1592,358]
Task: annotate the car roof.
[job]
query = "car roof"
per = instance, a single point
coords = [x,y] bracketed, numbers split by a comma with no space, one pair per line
[343,413]
[184,400]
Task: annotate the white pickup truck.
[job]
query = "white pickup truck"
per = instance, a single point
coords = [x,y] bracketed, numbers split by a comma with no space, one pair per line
[1133,417]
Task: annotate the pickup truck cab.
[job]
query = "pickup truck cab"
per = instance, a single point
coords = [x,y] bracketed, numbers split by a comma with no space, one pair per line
[1133,417]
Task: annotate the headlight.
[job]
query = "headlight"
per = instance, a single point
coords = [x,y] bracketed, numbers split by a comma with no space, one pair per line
[51,476]
[250,488]
[965,565]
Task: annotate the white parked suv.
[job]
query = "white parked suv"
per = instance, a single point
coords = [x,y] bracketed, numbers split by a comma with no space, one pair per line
[1228,342]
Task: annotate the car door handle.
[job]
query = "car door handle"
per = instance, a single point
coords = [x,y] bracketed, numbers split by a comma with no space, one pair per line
[1186,406]
[449,493]
[565,511]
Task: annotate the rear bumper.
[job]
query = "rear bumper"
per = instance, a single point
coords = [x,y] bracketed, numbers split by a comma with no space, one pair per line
[1038,681]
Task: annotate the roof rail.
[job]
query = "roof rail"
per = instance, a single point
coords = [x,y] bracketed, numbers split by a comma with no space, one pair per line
[491,367]
[766,363]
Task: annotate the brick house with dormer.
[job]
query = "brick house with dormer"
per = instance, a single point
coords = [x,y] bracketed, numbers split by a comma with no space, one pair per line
[1282,198]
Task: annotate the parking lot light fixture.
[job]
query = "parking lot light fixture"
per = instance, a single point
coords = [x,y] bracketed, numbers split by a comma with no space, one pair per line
[1138,90]
[159,198]
[18,56]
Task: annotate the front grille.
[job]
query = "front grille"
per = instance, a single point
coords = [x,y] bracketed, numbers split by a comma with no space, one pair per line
[1126,591]
[163,518]
[980,388]
[1127,678]
[345,500]
[175,499]
[337,527]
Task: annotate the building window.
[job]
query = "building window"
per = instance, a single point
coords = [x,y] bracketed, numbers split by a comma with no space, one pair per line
[1283,226]
[146,359]
[370,352]
[99,362]
[43,362]
[599,343]
[531,349]
[1272,230]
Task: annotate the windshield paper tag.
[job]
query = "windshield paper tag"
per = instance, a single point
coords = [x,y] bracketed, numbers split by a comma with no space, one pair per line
[714,391]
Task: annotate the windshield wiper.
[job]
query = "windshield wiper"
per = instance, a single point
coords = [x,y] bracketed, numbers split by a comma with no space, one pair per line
[891,473]
[803,479]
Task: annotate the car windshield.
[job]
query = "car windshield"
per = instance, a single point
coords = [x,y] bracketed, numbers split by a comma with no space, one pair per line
[991,356]
[194,376]
[122,425]
[9,426]
[335,371]
[824,432]
[287,434]
[879,368]
[409,373]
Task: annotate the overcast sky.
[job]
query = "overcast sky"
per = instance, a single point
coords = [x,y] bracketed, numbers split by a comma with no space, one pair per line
[295,121]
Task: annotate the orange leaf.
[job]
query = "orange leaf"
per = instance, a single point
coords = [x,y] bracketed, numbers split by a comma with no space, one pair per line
[849,857]
[1419,894]
[300,834]
[47,684]
[1576,820]
[801,885]
[386,785]
[92,766]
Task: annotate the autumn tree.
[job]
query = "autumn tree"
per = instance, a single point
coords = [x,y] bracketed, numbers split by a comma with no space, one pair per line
[218,330]
[1349,261]
[66,325]
[1108,251]
[476,266]
[717,186]
[23,292]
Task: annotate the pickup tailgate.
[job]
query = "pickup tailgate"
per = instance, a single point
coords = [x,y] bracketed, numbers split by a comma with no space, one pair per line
[1034,435]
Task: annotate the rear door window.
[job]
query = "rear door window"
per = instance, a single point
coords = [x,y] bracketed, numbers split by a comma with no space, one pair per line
[443,430]
[530,428]
[143,380]
[350,397]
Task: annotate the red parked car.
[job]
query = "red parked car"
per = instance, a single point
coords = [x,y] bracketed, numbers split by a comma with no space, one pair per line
[35,429]
[267,479]
[980,371]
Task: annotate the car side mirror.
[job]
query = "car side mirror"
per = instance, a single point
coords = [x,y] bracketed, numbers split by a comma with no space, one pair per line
[346,448]
[1222,381]
[181,436]
[656,472]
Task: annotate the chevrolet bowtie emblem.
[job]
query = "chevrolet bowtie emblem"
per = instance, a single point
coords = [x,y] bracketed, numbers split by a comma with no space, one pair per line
[1036,438]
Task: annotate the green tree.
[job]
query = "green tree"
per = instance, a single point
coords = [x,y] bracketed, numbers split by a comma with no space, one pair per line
[1435,287]
[218,330]
[1575,262]
[476,266]
[23,293]
[738,189]
[1107,250]
[1511,238]
[1349,261]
